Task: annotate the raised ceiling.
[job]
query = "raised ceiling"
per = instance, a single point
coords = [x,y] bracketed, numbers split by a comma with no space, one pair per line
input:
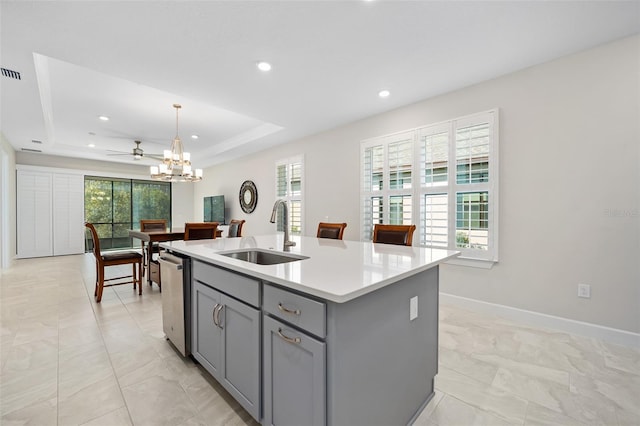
[132,60]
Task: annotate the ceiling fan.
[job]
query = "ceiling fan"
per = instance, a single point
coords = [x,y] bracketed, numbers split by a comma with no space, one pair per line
[137,153]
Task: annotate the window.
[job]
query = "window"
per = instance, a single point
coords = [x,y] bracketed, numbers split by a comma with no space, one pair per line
[116,205]
[443,178]
[387,178]
[289,187]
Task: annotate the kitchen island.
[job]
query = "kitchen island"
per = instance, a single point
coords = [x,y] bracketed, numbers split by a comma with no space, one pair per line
[345,334]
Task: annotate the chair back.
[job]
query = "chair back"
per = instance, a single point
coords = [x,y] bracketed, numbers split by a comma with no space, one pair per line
[94,241]
[235,228]
[331,230]
[200,231]
[150,225]
[393,234]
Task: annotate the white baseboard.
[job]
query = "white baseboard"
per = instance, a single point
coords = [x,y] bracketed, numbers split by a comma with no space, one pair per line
[608,334]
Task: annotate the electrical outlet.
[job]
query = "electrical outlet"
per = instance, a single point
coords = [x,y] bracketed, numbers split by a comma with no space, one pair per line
[584,290]
[413,308]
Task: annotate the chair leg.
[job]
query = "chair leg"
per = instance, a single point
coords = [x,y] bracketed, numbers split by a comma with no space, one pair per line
[95,289]
[133,275]
[147,265]
[144,257]
[137,277]
[100,285]
[159,280]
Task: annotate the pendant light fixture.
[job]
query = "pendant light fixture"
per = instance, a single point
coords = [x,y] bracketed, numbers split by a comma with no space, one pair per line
[176,165]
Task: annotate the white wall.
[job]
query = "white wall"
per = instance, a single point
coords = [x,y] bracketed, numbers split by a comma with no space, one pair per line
[181,193]
[569,182]
[44,160]
[7,203]
[182,205]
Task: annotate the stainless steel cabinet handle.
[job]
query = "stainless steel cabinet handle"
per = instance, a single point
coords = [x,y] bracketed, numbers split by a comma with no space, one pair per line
[289,311]
[215,314]
[287,338]
[219,312]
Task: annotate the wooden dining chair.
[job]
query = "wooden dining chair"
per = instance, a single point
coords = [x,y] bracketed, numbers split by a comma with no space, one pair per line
[331,230]
[200,230]
[104,260]
[393,234]
[235,228]
[151,225]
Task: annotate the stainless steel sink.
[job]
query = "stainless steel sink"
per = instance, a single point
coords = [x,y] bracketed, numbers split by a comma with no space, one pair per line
[263,257]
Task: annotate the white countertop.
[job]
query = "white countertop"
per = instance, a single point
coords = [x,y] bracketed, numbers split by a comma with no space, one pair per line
[336,270]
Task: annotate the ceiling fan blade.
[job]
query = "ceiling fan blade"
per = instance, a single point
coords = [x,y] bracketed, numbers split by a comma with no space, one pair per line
[137,153]
[155,156]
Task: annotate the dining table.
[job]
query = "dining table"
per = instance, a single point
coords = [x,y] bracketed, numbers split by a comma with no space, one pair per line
[148,238]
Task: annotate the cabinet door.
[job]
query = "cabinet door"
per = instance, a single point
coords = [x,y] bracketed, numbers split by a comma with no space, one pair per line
[68,214]
[241,365]
[294,376]
[206,344]
[34,233]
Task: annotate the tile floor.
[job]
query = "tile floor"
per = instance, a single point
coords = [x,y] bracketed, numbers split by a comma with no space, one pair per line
[66,360]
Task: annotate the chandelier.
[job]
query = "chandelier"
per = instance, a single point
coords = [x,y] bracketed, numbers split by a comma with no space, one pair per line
[176,164]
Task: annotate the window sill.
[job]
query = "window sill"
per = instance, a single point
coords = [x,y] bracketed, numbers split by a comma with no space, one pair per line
[471,263]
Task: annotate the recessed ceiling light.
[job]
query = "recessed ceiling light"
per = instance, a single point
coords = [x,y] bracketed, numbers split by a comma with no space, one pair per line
[194,136]
[264,66]
[384,93]
[104,118]
[92,145]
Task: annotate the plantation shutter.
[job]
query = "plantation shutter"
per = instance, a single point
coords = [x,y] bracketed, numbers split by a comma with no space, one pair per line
[289,187]
[442,177]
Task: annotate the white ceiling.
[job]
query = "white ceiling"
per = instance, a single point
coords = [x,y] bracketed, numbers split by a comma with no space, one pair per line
[132,61]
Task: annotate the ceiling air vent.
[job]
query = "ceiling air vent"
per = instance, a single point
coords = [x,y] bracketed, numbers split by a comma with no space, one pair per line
[30,150]
[11,73]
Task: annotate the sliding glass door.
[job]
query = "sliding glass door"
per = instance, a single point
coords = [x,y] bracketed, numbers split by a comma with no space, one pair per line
[150,200]
[116,205]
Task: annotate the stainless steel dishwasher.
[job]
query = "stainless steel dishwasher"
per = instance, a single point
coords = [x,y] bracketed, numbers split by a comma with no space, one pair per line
[175,274]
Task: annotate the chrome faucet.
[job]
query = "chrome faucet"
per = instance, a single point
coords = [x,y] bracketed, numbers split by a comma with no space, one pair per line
[285,219]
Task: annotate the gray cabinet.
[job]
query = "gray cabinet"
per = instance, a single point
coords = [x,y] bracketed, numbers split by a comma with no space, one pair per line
[241,353]
[294,362]
[206,345]
[226,341]
[292,359]
[294,376]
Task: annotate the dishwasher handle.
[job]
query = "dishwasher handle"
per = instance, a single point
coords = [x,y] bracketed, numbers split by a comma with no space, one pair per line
[171,261]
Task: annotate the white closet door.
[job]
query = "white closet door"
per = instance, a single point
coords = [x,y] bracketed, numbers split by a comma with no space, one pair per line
[68,214]
[35,237]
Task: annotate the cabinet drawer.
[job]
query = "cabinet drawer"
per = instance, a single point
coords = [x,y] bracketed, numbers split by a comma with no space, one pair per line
[241,287]
[154,271]
[301,311]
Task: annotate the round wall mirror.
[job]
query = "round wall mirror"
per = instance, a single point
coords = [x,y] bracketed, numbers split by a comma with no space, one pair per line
[248,196]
